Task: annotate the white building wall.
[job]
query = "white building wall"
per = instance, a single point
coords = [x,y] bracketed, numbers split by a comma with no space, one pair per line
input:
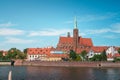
[41,57]
[111,50]
[90,54]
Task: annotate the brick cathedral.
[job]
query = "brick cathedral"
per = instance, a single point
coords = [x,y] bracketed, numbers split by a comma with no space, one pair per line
[76,43]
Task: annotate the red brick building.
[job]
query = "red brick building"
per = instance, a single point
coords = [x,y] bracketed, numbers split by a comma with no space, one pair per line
[76,43]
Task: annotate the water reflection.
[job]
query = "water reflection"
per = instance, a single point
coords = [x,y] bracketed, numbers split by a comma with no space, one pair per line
[59,73]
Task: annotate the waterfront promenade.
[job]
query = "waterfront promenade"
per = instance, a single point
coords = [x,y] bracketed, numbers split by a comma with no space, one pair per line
[64,63]
[72,64]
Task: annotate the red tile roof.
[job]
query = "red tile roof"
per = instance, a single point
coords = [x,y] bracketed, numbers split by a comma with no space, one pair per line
[66,40]
[35,51]
[79,50]
[39,51]
[99,48]
[82,41]
[85,41]
[117,55]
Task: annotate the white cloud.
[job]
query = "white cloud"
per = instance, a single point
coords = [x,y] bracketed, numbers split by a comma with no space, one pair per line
[115,28]
[87,18]
[8,32]
[18,41]
[92,17]
[98,31]
[49,32]
[110,36]
[82,34]
[8,24]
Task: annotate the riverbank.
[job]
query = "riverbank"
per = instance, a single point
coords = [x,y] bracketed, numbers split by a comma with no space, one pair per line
[5,63]
[72,64]
[63,63]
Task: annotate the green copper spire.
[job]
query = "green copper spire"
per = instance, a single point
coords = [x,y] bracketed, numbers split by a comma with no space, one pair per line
[75,23]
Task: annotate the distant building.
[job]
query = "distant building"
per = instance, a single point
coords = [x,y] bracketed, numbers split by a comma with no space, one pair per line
[45,54]
[4,53]
[111,53]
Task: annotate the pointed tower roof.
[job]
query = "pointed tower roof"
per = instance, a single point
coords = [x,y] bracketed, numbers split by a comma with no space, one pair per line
[75,23]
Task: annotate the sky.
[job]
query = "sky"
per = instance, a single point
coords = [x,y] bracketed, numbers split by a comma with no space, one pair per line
[40,23]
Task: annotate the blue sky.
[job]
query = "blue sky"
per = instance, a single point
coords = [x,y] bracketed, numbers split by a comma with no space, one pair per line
[39,23]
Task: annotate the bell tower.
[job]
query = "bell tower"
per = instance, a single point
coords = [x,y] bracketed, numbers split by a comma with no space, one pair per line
[75,35]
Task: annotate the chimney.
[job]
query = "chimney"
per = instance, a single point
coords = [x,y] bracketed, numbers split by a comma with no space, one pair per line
[68,34]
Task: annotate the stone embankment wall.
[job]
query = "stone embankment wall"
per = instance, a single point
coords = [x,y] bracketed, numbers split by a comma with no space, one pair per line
[63,63]
[60,64]
[5,63]
[72,64]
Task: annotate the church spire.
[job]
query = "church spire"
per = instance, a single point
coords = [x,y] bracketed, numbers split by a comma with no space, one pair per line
[75,23]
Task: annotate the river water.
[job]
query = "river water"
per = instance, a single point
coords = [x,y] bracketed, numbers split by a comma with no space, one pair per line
[59,73]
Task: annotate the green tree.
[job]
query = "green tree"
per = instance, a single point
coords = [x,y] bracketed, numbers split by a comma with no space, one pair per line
[103,55]
[119,50]
[78,58]
[25,50]
[73,55]
[96,57]
[83,55]
[21,56]
[1,55]
[15,53]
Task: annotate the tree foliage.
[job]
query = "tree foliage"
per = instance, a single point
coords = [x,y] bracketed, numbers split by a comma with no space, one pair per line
[73,55]
[119,50]
[96,57]
[78,58]
[15,53]
[103,55]
[1,54]
[25,50]
[83,55]
[99,57]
